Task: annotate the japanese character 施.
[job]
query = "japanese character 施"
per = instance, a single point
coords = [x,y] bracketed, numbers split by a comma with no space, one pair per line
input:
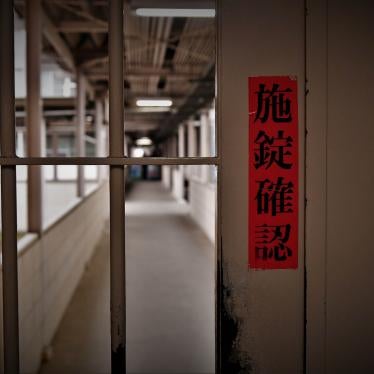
[273,103]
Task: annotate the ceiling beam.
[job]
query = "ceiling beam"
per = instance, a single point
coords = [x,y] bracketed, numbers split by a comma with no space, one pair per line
[201,96]
[101,74]
[182,4]
[82,26]
[59,45]
[88,8]
[86,13]
[49,102]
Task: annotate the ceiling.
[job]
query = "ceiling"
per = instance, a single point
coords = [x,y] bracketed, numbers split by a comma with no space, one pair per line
[163,57]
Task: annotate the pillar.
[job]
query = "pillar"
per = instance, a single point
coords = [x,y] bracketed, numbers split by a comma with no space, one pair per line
[204,144]
[265,306]
[55,139]
[192,148]
[181,150]
[80,129]
[21,143]
[34,113]
[99,120]
[178,180]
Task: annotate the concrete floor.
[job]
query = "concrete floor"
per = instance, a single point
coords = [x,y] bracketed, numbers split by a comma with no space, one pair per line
[170,296]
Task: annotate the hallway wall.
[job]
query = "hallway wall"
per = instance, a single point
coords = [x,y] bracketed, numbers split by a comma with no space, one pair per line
[49,270]
[178,182]
[318,318]
[340,179]
[261,311]
[203,207]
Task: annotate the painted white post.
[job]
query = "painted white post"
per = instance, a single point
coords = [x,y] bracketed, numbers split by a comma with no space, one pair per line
[204,144]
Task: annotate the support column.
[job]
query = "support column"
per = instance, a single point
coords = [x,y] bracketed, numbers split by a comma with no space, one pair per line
[204,144]
[268,304]
[80,129]
[55,140]
[21,143]
[34,113]
[99,151]
[181,150]
[191,151]
[8,191]
[106,134]
[179,185]
[117,189]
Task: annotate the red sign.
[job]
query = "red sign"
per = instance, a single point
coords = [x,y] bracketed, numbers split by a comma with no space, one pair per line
[273,173]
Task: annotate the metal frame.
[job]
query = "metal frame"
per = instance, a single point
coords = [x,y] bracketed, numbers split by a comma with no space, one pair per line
[8,191]
[116,161]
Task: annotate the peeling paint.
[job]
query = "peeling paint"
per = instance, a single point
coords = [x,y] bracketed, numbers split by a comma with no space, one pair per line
[234,361]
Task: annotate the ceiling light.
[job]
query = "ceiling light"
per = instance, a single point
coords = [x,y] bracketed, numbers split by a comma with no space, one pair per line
[143,142]
[166,12]
[154,103]
[137,152]
[152,109]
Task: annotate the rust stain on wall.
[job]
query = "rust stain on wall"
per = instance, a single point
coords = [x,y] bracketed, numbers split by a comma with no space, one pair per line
[234,360]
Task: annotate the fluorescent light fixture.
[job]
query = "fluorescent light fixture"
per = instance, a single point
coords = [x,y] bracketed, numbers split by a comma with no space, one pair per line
[169,12]
[143,142]
[154,103]
[137,152]
[152,109]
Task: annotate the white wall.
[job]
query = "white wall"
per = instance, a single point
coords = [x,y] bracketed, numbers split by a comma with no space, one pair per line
[203,199]
[166,175]
[19,57]
[177,175]
[49,271]
[55,82]
[262,319]
[202,188]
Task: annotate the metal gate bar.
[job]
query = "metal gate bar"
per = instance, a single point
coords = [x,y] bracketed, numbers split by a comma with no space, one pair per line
[117,189]
[8,191]
[109,161]
[117,162]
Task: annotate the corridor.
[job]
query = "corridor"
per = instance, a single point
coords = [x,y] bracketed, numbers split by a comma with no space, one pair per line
[170,295]
[242,132]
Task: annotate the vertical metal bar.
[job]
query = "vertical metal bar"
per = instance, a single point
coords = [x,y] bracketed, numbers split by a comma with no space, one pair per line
[218,124]
[8,191]
[34,113]
[117,188]
[80,129]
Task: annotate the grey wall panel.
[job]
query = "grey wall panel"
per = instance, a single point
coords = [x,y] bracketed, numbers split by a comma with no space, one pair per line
[350,181]
[316,148]
[340,178]
[263,319]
